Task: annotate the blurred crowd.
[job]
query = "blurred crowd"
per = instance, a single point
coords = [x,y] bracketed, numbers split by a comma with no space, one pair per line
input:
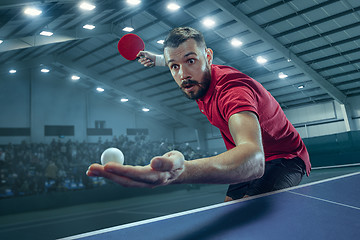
[37,168]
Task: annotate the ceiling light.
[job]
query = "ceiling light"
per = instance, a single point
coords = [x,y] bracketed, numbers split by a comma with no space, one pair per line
[208,22]
[12,71]
[75,77]
[89,26]
[124,100]
[87,6]
[282,75]
[301,86]
[145,109]
[128,29]
[1,41]
[261,60]
[32,11]
[46,33]
[99,89]
[173,6]
[160,41]
[133,2]
[236,42]
[45,70]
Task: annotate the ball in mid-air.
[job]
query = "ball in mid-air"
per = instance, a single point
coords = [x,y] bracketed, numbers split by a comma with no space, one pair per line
[112,155]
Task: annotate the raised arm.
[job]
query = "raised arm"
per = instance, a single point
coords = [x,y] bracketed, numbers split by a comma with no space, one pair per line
[149,59]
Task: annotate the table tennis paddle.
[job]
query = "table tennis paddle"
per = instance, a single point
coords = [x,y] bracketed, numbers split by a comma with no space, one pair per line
[130,45]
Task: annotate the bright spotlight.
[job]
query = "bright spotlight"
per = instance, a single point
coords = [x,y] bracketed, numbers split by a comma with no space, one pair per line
[282,75]
[75,77]
[128,29]
[208,22]
[87,6]
[133,2]
[173,6]
[236,42]
[261,60]
[32,11]
[46,33]
[89,26]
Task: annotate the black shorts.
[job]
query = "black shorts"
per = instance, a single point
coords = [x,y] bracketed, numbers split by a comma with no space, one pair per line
[279,174]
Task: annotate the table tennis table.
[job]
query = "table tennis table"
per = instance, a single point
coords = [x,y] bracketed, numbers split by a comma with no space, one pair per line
[327,209]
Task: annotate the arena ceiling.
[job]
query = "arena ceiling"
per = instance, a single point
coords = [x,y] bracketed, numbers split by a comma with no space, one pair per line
[311,46]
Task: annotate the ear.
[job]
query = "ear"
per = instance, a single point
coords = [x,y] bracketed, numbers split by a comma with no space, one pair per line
[209,55]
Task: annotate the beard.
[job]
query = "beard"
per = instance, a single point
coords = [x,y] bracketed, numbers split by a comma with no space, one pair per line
[203,86]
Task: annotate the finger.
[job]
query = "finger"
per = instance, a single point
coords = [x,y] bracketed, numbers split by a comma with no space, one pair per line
[178,158]
[120,169]
[97,170]
[163,164]
[149,64]
[142,60]
[146,62]
[144,174]
[127,182]
[90,173]
[94,170]
[141,54]
[138,173]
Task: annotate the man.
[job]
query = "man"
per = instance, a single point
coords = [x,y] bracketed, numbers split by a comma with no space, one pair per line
[265,152]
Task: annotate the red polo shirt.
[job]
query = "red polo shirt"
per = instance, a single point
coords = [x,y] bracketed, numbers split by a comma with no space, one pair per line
[232,92]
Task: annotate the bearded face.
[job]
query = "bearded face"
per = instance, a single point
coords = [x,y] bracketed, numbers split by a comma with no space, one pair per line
[189,65]
[193,89]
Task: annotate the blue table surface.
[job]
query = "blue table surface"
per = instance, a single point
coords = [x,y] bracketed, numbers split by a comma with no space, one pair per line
[327,210]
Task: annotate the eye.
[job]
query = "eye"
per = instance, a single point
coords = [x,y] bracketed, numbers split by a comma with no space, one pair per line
[191,60]
[174,66]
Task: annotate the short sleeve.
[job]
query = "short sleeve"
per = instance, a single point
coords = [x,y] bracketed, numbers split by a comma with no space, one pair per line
[236,97]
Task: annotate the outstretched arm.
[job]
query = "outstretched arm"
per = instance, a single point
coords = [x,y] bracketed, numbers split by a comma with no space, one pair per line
[242,163]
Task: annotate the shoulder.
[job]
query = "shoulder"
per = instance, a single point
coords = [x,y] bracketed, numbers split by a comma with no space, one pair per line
[228,76]
[230,83]
[221,71]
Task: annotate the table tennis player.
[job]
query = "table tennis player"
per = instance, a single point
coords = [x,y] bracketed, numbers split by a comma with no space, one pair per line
[264,151]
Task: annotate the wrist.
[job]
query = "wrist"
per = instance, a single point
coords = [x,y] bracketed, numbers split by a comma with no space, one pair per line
[182,178]
[160,61]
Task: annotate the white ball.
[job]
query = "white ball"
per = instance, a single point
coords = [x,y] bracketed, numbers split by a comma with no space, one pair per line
[112,155]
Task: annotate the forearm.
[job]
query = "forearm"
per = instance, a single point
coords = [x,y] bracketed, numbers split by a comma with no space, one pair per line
[240,164]
[160,61]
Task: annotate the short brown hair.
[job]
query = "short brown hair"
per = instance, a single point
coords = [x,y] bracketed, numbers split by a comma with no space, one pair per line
[180,34]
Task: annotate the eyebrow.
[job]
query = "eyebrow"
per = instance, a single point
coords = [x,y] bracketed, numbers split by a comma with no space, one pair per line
[186,55]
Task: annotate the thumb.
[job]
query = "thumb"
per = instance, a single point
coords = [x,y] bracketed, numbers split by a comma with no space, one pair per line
[141,54]
[162,164]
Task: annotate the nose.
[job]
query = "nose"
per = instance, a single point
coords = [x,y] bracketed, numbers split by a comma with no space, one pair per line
[184,73]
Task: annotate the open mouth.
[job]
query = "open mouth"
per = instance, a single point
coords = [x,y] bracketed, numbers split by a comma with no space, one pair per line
[189,85]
